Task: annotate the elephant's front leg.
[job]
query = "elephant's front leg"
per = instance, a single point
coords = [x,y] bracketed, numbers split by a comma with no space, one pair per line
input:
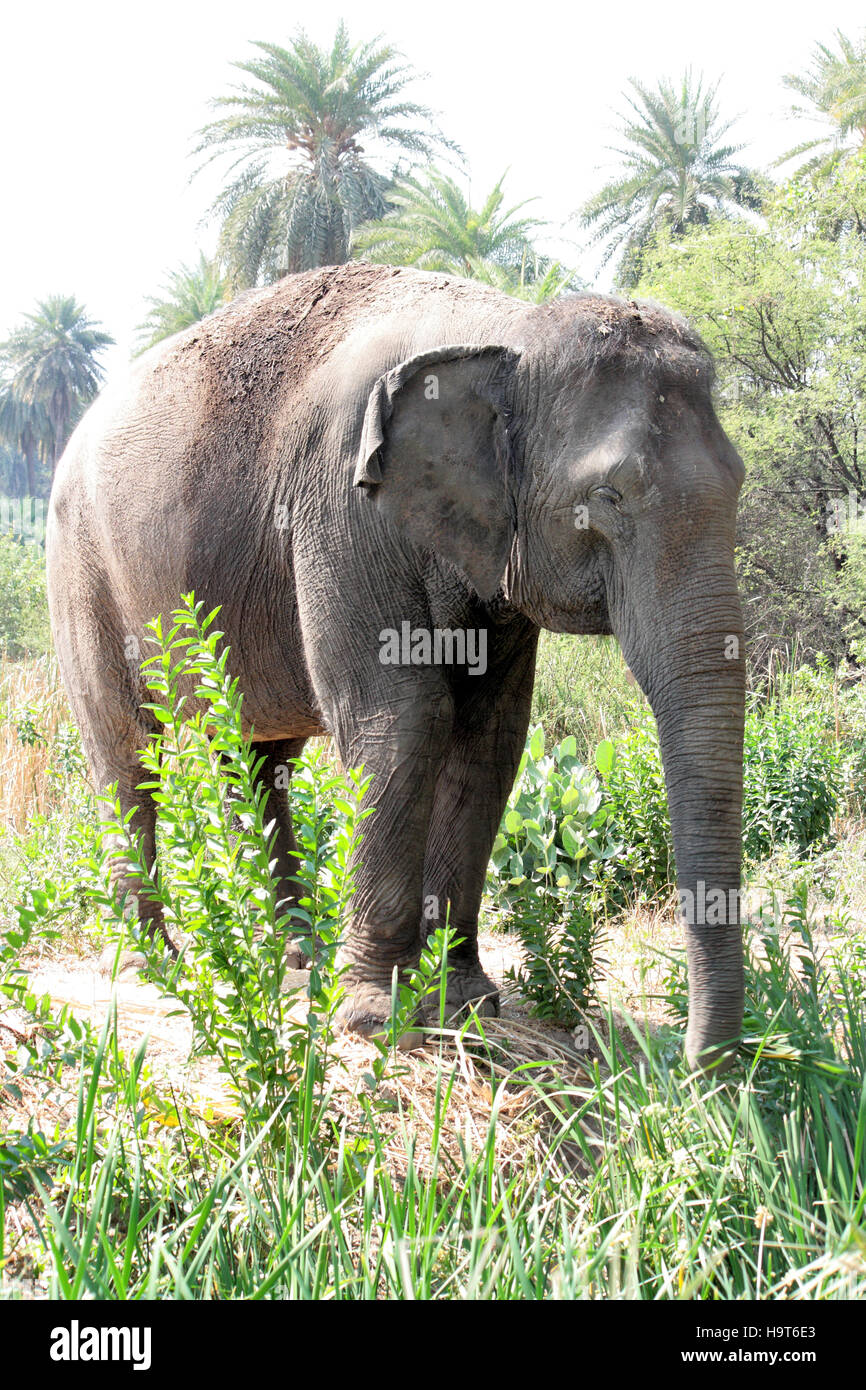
[472,789]
[401,742]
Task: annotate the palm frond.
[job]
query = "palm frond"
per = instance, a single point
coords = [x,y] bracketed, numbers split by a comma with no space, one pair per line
[834,90]
[189,295]
[302,113]
[675,168]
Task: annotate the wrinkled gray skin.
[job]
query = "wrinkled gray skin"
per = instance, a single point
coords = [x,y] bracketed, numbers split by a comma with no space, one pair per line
[290,459]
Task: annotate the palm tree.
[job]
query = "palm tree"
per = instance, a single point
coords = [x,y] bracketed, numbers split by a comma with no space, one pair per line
[52,363]
[835,91]
[303,181]
[538,281]
[432,225]
[190,294]
[24,428]
[13,472]
[676,172]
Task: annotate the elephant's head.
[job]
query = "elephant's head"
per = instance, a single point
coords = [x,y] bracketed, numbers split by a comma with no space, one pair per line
[584,471]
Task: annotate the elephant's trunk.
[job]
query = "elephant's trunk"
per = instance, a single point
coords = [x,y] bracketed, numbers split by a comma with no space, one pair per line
[695,681]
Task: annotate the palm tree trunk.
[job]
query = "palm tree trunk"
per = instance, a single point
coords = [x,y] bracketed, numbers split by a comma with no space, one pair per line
[29,452]
[60,427]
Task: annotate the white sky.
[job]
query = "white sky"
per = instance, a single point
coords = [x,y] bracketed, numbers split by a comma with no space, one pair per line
[99,103]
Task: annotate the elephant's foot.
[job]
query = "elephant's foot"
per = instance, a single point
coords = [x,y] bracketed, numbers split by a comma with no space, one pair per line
[127,962]
[469,990]
[296,958]
[708,1059]
[366,1010]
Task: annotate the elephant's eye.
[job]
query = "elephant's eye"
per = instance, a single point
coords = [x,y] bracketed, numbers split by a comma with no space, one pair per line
[607,494]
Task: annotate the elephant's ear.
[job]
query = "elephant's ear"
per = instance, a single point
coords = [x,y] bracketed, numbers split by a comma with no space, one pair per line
[435,455]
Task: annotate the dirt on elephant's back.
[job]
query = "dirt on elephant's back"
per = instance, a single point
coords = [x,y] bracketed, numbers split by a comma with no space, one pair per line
[289,327]
[286,327]
[245,367]
[240,361]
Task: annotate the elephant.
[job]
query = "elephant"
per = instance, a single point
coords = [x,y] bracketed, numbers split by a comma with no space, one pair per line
[361,465]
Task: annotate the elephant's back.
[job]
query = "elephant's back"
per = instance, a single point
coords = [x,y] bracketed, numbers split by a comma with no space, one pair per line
[224,385]
[271,339]
[182,458]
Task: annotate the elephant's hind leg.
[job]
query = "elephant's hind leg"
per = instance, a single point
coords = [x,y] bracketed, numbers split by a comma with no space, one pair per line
[274,777]
[102,674]
[123,768]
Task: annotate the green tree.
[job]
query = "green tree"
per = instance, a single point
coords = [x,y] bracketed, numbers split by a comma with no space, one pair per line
[24,428]
[298,140]
[676,172]
[537,279]
[52,366]
[13,471]
[432,225]
[780,306]
[834,89]
[189,294]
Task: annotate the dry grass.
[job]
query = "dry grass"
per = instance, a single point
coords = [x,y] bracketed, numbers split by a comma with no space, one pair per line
[486,1067]
[29,689]
[431,1108]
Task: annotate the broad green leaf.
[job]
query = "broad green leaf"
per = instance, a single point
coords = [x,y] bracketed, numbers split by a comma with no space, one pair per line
[605,755]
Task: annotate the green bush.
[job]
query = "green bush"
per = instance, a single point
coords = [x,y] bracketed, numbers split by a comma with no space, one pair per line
[214,879]
[551,872]
[24,625]
[635,786]
[792,778]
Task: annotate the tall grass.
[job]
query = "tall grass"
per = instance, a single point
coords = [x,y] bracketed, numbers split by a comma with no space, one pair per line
[45,795]
[583,688]
[627,1179]
[34,720]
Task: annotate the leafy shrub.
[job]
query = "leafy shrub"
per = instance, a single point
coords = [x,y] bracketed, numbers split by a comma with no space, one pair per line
[550,874]
[24,721]
[214,879]
[560,935]
[635,786]
[24,625]
[790,792]
[555,825]
[791,778]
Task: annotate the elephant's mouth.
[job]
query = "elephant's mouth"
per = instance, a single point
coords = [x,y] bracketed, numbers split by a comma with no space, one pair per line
[588,621]
[582,611]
